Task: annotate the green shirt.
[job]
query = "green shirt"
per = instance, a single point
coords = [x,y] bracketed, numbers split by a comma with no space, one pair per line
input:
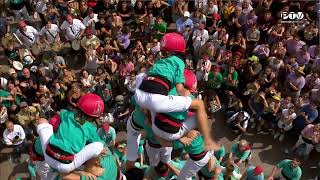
[205,171]
[242,155]
[32,170]
[196,147]
[150,135]
[137,116]
[160,27]
[101,92]
[171,68]
[220,153]
[71,136]
[122,158]
[5,94]
[293,174]
[234,77]
[38,147]
[108,162]
[109,136]
[214,82]
[141,149]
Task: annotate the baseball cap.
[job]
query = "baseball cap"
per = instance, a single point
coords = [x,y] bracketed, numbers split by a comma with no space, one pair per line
[186,14]
[22,24]
[253,58]
[258,170]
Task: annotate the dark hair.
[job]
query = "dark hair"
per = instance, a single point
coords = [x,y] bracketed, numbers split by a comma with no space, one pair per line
[134,174]
[161,168]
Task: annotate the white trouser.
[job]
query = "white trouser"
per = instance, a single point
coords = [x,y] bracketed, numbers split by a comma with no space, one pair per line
[89,151]
[23,12]
[44,171]
[156,155]
[309,147]
[188,124]
[161,103]
[133,140]
[191,167]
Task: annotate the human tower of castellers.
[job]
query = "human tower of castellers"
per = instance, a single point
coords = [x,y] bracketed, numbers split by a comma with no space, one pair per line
[166,114]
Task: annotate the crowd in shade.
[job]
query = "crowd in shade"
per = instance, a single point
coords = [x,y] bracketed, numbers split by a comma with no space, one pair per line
[75,73]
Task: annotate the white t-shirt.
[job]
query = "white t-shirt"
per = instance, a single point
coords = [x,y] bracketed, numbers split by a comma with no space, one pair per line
[285,114]
[51,33]
[18,131]
[41,6]
[245,120]
[29,36]
[200,37]
[72,31]
[88,20]
[202,4]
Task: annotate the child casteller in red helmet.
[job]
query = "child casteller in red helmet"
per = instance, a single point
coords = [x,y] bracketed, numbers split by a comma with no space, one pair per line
[74,140]
[166,74]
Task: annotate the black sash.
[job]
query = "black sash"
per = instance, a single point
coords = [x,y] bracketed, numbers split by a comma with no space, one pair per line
[26,35]
[72,29]
[51,33]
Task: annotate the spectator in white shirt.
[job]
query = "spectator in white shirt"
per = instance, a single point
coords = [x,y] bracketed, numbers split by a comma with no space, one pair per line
[90,19]
[239,122]
[200,37]
[72,28]
[14,136]
[202,4]
[50,33]
[27,34]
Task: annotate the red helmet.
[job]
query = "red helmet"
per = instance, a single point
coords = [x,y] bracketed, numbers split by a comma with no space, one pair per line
[173,42]
[191,80]
[91,104]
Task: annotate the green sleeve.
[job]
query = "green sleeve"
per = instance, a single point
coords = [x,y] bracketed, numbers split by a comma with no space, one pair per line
[298,175]
[234,148]
[179,79]
[93,135]
[82,177]
[140,149]
[133,101]
[219,77]
[225,73]
[282,163]
[32,170]
[235,75]
[222,152]
[113,134]
[163,27]
[210,76]
[177,144]
[245,155]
